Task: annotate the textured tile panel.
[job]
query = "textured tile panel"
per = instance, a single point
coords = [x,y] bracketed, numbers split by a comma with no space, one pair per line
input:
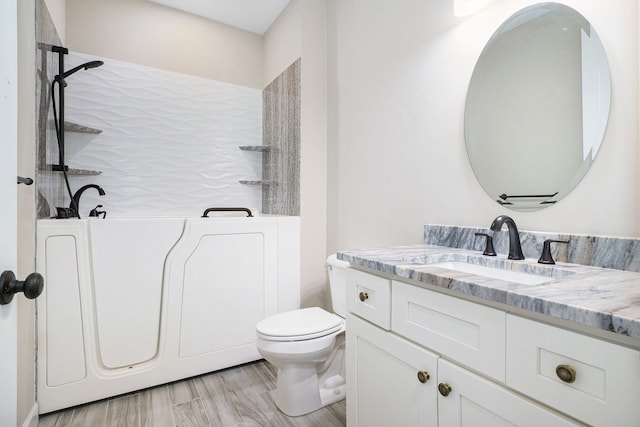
[170,142]
[281,130]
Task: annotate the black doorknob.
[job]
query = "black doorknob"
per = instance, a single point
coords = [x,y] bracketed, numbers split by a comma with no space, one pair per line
[32,286]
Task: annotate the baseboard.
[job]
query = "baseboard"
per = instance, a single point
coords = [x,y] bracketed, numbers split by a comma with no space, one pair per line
[32,417]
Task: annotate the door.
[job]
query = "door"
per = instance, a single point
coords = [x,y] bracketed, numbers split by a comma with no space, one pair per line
[390,381]
[8,146]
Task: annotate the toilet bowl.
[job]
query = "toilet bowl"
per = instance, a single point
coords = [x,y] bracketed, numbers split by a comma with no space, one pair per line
[307,347]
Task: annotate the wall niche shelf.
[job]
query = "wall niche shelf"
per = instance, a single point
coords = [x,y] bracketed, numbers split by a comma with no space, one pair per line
[255,182]
[261,148]
[75,127]
[258,149]
[82,172]
[78,128]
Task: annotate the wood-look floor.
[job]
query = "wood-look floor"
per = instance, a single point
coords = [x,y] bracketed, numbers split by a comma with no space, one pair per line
[240,396]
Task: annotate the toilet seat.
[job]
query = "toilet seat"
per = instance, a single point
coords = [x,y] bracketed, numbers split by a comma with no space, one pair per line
[299,325]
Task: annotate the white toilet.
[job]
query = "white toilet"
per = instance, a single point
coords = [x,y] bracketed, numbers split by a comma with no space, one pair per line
[307,346]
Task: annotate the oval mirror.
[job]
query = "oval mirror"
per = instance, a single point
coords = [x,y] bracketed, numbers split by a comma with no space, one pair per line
[537,106]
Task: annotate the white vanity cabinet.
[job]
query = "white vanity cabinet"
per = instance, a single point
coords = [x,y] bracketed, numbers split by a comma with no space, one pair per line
[486,367]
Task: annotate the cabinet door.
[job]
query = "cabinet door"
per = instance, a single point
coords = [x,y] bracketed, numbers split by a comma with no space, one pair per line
[388,380]
[474,401]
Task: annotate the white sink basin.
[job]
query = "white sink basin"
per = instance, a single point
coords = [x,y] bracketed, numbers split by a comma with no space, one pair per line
[494,273]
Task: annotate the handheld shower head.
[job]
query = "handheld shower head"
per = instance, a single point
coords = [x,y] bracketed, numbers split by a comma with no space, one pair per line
[86,66]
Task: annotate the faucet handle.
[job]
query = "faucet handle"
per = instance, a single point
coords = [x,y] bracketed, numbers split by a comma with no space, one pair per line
[545,257]
[488,249]
[96,213]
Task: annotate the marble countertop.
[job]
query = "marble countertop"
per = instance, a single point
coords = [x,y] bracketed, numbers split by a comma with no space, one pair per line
[603,298]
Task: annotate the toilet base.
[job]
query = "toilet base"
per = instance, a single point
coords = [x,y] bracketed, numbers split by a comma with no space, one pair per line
[335,393]
[306,387]
[308,395]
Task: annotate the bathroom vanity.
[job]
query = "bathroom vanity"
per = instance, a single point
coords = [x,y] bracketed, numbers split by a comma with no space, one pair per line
[432,341]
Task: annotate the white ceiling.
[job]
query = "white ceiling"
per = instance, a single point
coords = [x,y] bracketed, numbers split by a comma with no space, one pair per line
[250,15]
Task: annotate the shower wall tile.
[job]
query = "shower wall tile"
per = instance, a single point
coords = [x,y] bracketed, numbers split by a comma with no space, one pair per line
[281,130]
[170,141]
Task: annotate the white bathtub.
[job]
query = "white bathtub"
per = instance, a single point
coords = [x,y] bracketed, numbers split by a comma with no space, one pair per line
[130,303]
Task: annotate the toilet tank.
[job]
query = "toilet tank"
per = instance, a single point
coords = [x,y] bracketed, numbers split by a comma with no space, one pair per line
[338,284]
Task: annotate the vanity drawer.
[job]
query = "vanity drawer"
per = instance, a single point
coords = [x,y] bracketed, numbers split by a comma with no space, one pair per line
[459,330]
[601,380]
[369,297]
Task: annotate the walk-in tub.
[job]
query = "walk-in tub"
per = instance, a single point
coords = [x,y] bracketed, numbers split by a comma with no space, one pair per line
[130,303]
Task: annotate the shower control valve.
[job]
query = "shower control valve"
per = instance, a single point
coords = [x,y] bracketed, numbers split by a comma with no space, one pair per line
[96,213]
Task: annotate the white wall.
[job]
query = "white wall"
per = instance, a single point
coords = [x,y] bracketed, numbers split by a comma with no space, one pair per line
[282,42]
[57,11]
[313,157]
[399,73]
[301,31]
[146,33]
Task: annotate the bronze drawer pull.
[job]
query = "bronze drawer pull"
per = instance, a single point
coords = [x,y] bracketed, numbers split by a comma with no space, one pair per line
[363,296]
[566,373]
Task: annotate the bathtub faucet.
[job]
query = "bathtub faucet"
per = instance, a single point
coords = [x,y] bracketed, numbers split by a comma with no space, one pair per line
[75,200]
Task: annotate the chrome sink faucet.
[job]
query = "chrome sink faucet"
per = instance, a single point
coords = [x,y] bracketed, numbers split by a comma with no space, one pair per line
[515,250]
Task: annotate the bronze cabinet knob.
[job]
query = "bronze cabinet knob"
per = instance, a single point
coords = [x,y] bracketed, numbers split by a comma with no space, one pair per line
[566,373]
[444,389]
[423,376]
[363,296]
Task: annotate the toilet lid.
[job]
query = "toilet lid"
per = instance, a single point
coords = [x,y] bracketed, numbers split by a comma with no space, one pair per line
[306,323]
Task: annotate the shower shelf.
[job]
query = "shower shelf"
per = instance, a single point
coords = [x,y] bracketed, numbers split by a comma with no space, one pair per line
[82,172]
[78,128]
[255,147]
[255,182]
[75,127]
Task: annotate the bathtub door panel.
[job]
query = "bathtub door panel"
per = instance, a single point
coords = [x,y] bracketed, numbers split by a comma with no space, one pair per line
[128,259]
[223,294]
[64,340]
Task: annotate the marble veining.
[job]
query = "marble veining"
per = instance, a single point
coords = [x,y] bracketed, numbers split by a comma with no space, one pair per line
[584,288]
[598,251]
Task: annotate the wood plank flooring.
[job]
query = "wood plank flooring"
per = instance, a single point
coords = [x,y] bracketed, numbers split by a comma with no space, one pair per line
[239,396]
